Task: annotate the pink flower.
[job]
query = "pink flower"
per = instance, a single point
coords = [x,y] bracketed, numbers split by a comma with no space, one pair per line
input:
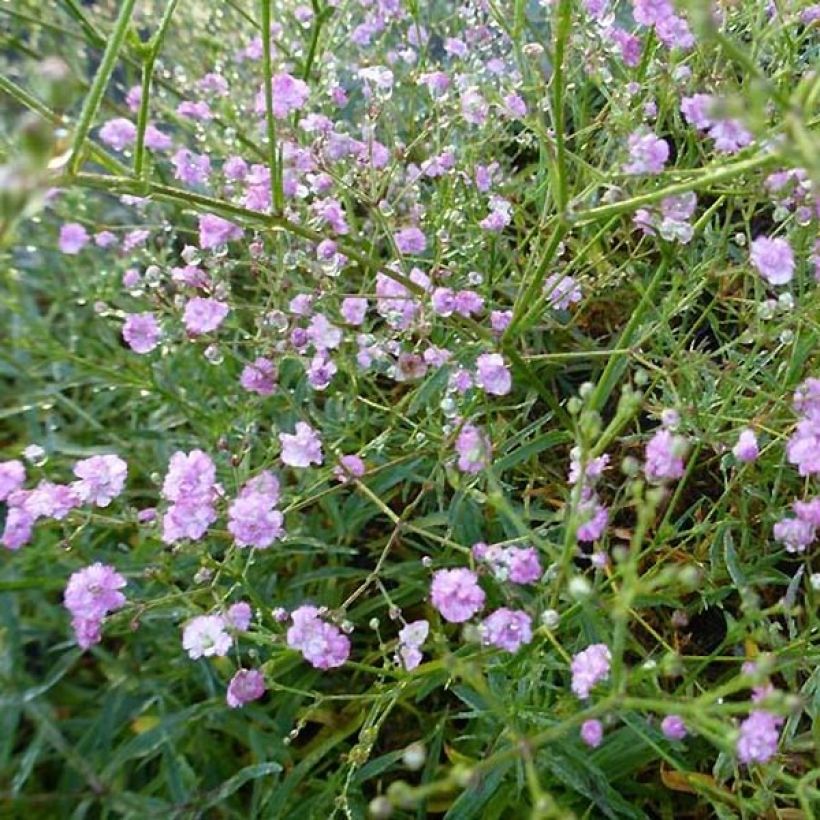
[289,95]
[474,108]
[664,456]
[245,686]
[507,629]
[205,636]
[102,479]
[252,520]
[91,593]
[49,500]
[673,727]
[323,334]
[259,376]
[592,733]
[594,518]
[18,528]
[493,376]
[191,476]
[455,593]
[73,238]
[411,638]
[561,291]
[746,448]
[589,667]
[215,231]
[191,168]
[141,331]
[202,315]
[239,616]
[410,240]
[119,133]
[795,533]
[349,467]
[195,110]
[157,140]
[354,309]
[322,645]
[803,448]
[302,448]
[773,259]
[473,449]
[12,476]
[759,736]
[648,154]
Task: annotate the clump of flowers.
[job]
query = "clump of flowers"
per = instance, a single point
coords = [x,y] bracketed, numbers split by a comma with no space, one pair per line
[205,636]
[323,645]
[507,629]
[589,667]
[455,593]
[90,595]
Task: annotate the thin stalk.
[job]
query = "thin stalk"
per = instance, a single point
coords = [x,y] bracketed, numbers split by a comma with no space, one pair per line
[92,102]
[564,18]
[709,176]
[273,150]
[154,47]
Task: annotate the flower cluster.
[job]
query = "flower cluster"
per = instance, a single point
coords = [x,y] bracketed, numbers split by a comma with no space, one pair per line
[322,645]
[90,595]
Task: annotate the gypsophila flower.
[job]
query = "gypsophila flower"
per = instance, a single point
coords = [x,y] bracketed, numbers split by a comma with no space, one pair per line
[493,376]
[349,467]
[455,593]
[90,595]
[205,637]
[302,448]
[411,638]
[245,686]
[410,240]
[746,449]
[259,376]
[215,231]
[648,154]
[102,479]
[73,238]
[664,456]
[773,259]
[252,519]
[239,616]
[507,629]
[759,736]
[592,733]
[589,667]
[18,528]
[141,332]
[473,449]
[118,133]
[673,727]
[203,315]
[322,645]
[12,476]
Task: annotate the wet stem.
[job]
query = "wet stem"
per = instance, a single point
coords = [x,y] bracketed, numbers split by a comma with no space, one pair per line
[273,149]
[92,101]
[153,49]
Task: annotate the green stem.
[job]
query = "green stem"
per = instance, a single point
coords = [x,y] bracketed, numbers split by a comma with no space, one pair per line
[564,20]
[273,158]
[92,101]
[154,47]
[708,177]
